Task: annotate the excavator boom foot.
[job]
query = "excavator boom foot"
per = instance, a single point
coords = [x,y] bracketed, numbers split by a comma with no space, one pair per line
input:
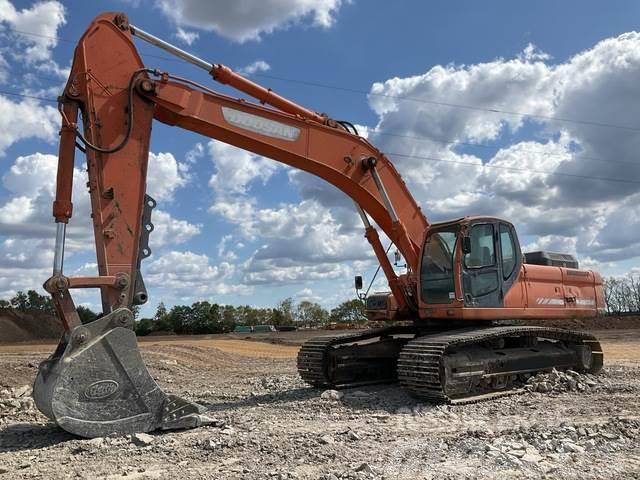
[96,384]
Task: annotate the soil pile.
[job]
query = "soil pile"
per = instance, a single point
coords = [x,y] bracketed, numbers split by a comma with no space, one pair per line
[16,326]
[608,322]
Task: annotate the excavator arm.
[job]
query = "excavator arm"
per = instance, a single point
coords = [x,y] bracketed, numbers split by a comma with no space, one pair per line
[96,383]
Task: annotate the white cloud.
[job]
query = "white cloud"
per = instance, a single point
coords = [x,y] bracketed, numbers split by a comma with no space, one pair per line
[165,175]
[242,20]
[300,242]
[195,154]
[564,211]
[223,248]
[236,169]
[14,279]
[186,36]
[272,271]
[190,275]
[31,181]
[15,210]
[4,69]
[171,231]
[35,28]
[50,67]
[26,119]
[255,67]
[27,213]
[552,243]
[15,253]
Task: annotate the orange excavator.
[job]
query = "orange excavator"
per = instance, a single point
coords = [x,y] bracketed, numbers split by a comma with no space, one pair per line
[455,332]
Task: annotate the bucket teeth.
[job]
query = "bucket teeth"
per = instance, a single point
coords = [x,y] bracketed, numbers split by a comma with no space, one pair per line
[96,384]
[179,413]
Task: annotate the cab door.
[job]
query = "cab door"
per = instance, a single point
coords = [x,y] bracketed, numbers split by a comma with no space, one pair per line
[481,272]
[510,265]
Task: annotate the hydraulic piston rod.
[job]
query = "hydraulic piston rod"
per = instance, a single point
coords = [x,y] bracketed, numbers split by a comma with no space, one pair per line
[225,75]
[58,255]
[172,49]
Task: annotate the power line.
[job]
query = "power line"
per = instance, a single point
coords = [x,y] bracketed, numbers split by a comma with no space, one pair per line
[516,169]
[14,94]
[434,159]
[398,97]
[67,40]
[442,141]
[452,105]
[494,147]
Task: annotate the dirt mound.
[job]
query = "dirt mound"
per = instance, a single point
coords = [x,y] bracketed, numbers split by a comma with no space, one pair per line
[16,326]
[608,322]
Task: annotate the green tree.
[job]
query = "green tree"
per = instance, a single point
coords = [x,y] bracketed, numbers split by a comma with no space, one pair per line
[135,309]
[229,315]
[161,319]
[311,314]
[286,312]
[32,300]
[276,317]
[351,311]
[86,314]
[40,302]
[225,323]
[144,326]
[20,301]
[5,304]
[180,320]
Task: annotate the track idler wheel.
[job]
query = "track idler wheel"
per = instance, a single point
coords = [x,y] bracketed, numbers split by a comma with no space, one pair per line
[96,384]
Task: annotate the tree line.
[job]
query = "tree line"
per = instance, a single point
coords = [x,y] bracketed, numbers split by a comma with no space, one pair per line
[205,318]
[622,294]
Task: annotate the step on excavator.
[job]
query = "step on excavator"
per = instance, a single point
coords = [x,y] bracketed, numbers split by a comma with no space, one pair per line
[455,331]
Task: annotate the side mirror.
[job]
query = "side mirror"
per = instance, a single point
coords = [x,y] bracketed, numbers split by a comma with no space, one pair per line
[358,282]
[466,244]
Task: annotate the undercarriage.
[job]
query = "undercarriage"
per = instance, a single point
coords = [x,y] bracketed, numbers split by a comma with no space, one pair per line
[450,366]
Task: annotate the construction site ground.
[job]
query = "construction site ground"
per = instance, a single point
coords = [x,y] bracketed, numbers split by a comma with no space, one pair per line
[271,426]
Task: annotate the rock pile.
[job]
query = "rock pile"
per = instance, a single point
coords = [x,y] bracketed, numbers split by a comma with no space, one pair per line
[559,382]
[538,443]
[362,471]
[16,402]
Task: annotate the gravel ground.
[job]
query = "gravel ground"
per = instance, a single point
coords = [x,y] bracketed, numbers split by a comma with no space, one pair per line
[271,426]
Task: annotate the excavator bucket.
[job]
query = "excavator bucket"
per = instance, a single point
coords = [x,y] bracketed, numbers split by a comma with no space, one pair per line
[96,384]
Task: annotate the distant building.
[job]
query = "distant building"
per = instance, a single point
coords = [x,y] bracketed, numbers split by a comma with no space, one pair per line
[254,329]
[243,329]
[264,328]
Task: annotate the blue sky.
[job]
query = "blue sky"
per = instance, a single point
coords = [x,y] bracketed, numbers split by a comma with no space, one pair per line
[237,228]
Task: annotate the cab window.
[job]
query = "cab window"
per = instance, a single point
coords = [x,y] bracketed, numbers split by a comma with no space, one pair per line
[483,253]
[508,251]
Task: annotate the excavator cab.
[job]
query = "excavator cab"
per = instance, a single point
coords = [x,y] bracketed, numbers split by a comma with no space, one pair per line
[469,262]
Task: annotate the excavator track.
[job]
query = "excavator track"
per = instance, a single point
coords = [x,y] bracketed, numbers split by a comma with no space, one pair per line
[347,360]
[456,367]
[471,365]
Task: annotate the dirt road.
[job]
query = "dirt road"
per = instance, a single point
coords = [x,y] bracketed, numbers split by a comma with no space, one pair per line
[276,427]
